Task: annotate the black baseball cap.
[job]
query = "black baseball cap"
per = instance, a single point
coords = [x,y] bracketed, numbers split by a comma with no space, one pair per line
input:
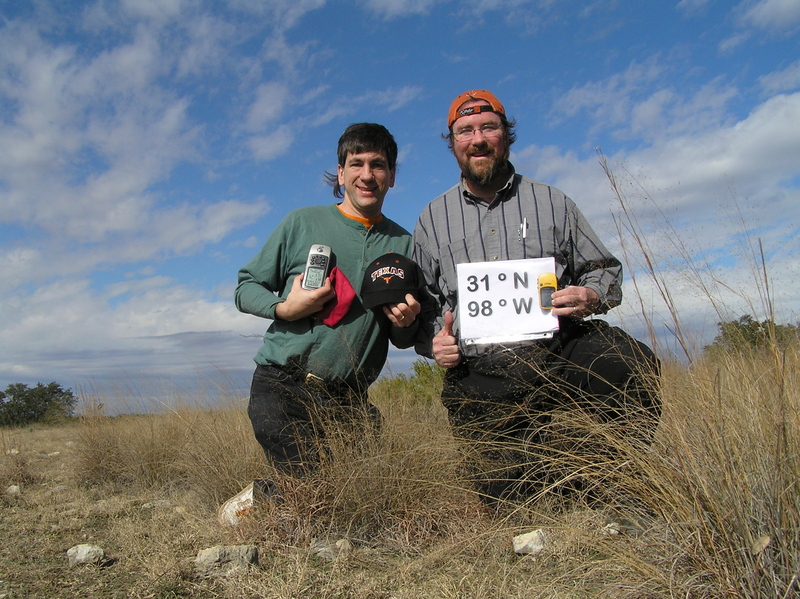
[389,278]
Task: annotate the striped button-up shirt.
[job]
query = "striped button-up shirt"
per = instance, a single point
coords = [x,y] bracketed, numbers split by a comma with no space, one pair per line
[458,227]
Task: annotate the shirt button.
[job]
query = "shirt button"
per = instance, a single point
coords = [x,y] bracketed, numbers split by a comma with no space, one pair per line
[494,257]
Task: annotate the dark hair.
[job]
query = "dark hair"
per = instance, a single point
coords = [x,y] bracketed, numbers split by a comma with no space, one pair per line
[358,138]
[508,128]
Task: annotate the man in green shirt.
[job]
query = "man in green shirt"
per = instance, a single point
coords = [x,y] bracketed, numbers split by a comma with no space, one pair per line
[323,348]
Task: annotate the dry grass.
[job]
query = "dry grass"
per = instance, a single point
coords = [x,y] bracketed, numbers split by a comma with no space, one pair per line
[728,472]
[716,504]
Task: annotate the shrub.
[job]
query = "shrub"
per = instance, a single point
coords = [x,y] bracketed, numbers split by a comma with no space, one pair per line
[747,334]
[20,404]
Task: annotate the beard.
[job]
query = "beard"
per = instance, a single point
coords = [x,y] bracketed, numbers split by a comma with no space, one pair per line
[486,173]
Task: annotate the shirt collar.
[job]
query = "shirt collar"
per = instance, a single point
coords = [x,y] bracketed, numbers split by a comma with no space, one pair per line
[367,222]
[501,195]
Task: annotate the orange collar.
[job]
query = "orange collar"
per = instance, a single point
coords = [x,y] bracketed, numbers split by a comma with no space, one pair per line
[367,222]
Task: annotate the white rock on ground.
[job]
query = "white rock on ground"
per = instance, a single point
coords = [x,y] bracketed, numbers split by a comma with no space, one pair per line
[530,543]
[85,554]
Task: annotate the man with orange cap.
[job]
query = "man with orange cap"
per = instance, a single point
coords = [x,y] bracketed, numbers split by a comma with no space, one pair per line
[506,396]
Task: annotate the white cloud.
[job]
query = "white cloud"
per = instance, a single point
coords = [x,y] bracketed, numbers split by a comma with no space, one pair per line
[757,151]
[389,9]
[85,139]
[692,7]
[631,105]
[754,17]
[204,50]
[187,228]
[170,231]
[395,99]
[102,186]
[282,14]
[268,105]
[786,80]
[133,326]
[609,100]
[772,15]
[753,158]
[16,266]
[732,42]
[391,98]
[293,60]
[154,10]
[270,146]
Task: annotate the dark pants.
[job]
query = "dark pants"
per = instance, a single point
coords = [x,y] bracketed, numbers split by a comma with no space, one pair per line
[290,412]
[528,413]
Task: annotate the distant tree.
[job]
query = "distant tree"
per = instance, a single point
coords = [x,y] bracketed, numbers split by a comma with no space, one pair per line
[747,333]
[20,404]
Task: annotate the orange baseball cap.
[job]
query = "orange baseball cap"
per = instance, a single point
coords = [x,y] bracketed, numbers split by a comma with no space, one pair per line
[476,94]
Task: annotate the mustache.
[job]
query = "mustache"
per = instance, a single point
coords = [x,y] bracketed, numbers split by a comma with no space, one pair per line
[485,150]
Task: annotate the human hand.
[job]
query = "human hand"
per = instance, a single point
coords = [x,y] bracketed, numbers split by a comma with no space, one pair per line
[445,346]
[401,314]
[301,303]
[575,301]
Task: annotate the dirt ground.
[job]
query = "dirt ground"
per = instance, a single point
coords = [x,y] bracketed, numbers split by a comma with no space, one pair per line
[52,513]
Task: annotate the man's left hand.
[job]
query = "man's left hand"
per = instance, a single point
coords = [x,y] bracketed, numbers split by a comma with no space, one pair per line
[575,301]
[401,314]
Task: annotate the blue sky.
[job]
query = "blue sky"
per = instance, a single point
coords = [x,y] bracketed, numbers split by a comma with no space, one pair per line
[150,146]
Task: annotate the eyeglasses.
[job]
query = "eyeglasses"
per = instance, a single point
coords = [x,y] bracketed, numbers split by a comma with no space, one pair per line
[489,130]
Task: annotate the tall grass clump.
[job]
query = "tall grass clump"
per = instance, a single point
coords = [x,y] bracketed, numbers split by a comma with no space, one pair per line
[396,484]
[728,471]
[210,451]
[724,469]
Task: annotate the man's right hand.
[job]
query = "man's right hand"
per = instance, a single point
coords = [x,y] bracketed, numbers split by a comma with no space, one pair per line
[302,303]
[445,346]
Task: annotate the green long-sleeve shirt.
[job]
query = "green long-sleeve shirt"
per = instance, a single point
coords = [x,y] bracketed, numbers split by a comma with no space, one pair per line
[358,345]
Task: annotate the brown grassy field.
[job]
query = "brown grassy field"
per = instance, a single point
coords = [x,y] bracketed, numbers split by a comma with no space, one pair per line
[713,506]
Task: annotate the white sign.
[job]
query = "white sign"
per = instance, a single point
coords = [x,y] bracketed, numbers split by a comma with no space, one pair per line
[499,302]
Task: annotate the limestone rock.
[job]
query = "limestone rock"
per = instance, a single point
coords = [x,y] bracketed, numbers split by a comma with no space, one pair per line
[530,543]
[222,560]
[85,554]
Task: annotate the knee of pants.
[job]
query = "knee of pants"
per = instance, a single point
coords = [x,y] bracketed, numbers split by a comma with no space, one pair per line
[607,360]
[277,411]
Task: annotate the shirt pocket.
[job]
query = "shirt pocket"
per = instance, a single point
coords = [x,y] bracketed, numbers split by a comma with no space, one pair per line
[458,251]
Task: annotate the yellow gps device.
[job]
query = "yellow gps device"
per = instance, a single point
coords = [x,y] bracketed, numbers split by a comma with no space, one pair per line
[547,286]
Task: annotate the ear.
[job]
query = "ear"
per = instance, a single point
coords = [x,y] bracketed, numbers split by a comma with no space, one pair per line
[340,173]
[391,177]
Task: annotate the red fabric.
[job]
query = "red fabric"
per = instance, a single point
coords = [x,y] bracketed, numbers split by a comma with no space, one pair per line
[335,309]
